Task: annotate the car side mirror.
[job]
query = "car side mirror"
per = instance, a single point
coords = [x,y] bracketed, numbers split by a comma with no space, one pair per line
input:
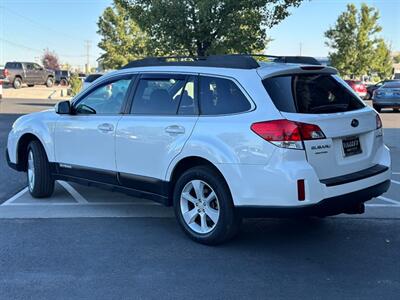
[63,108]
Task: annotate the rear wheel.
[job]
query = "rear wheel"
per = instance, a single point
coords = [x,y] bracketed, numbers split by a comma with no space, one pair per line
[40,181]
[377,108]
[204,207]
[17,83]
[63,82]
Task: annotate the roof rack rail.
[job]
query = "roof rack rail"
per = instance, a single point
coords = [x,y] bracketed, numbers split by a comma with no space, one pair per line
[235,61]
[222,61]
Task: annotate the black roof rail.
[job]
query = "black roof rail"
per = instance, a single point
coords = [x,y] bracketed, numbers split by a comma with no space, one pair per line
[221,61]
[235,61]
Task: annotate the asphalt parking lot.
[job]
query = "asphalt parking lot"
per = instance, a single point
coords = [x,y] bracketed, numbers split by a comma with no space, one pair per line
[88,243]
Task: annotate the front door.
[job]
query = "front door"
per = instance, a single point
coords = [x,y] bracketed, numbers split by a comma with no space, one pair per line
[85,140]
[30,74]
[162,117]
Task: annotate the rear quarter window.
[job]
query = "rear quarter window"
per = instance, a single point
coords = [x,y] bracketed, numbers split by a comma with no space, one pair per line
[310,94]
[220,96]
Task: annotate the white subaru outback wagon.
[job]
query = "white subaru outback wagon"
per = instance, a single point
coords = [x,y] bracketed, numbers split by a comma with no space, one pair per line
[219,138]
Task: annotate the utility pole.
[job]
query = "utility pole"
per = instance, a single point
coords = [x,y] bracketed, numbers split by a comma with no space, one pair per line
[88,45]
[301,48]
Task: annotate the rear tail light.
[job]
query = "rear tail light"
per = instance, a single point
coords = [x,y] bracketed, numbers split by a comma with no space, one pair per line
[287,134]
[379,130]
[378,122]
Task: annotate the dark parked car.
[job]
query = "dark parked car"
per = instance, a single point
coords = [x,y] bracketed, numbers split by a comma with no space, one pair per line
[62,77]
[387,96]
[17,73]
[89,79]
[372,88]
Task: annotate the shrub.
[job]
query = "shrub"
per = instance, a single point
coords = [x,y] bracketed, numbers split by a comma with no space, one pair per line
[75,83]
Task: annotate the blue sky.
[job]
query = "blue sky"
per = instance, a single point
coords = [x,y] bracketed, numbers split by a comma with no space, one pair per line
[29,26]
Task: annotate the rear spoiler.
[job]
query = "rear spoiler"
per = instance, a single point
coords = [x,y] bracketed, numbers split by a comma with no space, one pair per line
[300,69]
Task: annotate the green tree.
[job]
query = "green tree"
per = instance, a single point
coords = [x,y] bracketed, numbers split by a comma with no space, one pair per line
[383,64]
[202,27]
[355,42]
[122,40]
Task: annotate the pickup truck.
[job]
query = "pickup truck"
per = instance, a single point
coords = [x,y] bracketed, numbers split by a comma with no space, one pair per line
[18,73]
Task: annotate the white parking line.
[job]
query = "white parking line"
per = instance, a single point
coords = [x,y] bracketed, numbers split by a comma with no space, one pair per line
[15,197]
[394,181]
[389,200]
[74,193]
[149,203]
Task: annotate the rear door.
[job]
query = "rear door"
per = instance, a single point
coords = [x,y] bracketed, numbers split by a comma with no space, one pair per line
[348,124]
[161,118]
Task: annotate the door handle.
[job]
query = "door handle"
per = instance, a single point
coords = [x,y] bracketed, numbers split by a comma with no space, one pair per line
[175,129]
[105,127]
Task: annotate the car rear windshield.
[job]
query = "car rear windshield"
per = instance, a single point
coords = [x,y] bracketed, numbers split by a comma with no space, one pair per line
[392,85]
[310,94]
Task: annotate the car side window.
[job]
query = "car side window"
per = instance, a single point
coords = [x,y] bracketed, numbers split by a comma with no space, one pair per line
[158,96]
[221,96]
[29,66]
[105,99]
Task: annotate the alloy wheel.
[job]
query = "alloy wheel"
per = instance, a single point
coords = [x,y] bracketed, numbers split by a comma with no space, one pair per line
[31,171]
[199,206]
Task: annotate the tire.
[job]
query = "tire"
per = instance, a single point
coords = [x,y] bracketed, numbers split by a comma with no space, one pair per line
[17,83]
[40,180]
[224,226]
[49,82]
[64,82]
[368,96]
[377,108]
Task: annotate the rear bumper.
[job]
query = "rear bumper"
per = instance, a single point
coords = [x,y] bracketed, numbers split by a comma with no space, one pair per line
[330,206]
[387,102]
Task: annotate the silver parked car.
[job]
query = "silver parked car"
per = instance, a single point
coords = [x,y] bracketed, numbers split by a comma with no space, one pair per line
[387,96]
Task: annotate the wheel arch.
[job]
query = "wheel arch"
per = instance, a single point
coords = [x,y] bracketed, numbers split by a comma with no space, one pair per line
[22,148]
[187,163]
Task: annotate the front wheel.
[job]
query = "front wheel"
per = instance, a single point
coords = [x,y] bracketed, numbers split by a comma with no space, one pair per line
[203,206]
[40,180]
[49,82]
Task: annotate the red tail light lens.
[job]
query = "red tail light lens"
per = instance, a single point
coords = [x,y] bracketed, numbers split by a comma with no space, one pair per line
[287,134]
